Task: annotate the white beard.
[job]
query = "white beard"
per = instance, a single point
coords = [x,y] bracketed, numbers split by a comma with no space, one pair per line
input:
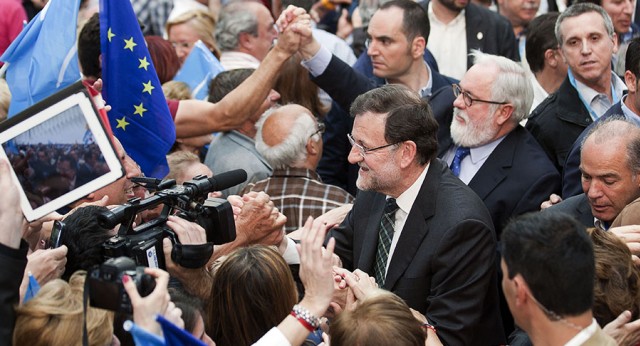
[471,134]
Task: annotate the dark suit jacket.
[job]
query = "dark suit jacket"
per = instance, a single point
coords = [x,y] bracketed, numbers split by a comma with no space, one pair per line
[576,206]
[488,32]
[571,177]
[344,84]
[516,178]
[558,121]
[13,262]
[444,264]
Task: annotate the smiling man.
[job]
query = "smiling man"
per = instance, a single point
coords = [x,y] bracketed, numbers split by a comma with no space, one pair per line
[417,229]
[587,42]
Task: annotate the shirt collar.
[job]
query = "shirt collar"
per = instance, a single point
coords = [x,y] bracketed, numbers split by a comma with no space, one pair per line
[480,153]
[584,335]
[406,199]
[589,94]
[426,90]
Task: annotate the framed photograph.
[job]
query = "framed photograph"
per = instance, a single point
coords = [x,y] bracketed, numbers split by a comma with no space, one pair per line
[59,151]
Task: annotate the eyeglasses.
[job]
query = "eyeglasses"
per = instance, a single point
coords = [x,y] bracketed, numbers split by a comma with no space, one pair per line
[468,100]
[364,150]
[320,129]
[182,45]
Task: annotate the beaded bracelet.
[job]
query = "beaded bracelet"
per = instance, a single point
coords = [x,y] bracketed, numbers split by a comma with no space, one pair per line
[305,317]
[428,325]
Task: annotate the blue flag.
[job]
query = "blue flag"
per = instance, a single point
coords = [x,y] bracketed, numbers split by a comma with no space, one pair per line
[176,336]
[200,67]
[139,114]
[32,289]
[43,59]
[141,336]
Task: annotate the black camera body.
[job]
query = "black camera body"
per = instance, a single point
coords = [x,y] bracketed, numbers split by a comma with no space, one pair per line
[105,284]
[144,242]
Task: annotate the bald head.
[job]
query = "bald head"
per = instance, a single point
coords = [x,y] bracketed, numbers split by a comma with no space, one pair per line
[287,137]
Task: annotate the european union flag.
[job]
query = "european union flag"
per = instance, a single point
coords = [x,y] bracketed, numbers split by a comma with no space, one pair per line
[43,59]
[142,336]
[200,67]
[139,114]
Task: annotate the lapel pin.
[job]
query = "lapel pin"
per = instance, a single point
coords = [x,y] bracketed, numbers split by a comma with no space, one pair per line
[480,36]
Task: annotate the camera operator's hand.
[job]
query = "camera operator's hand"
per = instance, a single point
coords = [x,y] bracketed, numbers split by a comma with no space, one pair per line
[196,281]
[259,222]
[11,217]
[157,302]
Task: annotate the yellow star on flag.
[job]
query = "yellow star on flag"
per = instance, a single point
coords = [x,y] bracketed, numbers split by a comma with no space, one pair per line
[110,34]
[129,44]
[147,87]
[139,109]
[122,123]
[143,63]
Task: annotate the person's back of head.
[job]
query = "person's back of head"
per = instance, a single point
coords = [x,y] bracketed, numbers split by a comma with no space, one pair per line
[55,316]
[83,235]
[184,166]
[253,290]
[164,58]
[284,134]
[89,49]
[632,59]
[554,256]
[383,319]
[225,82]
[540,38]
[617,280]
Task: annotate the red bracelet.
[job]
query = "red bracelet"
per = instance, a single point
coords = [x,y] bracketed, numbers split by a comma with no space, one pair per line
[303,322]
[428,325]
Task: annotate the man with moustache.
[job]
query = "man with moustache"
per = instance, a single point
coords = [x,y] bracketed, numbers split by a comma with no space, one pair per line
[587,42]
[418,230]
[488,149]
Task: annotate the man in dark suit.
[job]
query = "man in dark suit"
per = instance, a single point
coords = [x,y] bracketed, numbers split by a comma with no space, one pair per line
[483,30]
[610,166]
[419,230]
[488,149]
[628,108]
[398,31]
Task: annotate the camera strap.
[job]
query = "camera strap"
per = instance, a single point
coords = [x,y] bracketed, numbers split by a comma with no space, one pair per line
[85,303]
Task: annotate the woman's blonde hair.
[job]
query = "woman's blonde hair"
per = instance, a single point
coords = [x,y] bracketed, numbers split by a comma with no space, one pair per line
[55,316]
[202,23]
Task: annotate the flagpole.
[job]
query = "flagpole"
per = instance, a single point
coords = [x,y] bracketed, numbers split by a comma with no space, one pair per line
[3,69]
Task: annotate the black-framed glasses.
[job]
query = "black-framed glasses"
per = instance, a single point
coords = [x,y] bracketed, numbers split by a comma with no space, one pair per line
[468,100]
[56,232]
[364,150]
[320,129]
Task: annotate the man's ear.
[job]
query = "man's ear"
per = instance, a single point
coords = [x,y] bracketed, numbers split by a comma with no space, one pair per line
[521,289]
[504,113]
[409,151]
[244,40]
[418,46]
[312,146]
[630,81]
[551,58]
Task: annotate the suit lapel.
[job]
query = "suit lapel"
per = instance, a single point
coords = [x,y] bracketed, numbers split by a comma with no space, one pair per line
[416,226]
[495,169]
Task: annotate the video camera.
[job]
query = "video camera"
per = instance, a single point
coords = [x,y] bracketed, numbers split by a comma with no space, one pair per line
[144,243]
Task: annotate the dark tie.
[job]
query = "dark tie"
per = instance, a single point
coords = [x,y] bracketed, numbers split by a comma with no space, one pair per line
[461,153]
[385,236]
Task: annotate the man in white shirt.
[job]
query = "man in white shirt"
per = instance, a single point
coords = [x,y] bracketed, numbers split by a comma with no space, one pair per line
[549,289]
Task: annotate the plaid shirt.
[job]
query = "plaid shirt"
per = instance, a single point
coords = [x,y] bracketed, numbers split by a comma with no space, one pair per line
[153,14]
[299,193]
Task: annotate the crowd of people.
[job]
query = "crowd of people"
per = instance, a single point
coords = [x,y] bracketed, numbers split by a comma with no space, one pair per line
[418,173]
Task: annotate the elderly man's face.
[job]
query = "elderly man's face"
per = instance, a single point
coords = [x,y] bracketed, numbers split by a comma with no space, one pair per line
[475,125]
[607,179]
[519,12]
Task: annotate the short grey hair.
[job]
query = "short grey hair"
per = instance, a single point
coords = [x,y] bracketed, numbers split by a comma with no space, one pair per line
[579,9]
[510,85]
[234,20]
[293,149]
[617,126]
